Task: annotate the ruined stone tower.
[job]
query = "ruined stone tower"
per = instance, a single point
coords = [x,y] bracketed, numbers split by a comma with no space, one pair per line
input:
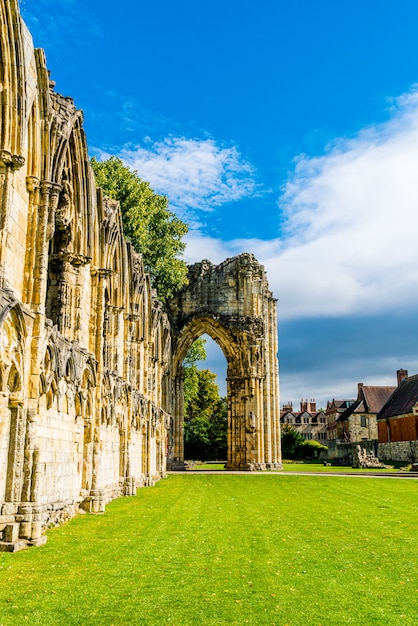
[232,303]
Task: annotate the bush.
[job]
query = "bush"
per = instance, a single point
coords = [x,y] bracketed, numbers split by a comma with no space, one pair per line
[295,446]
[311,449]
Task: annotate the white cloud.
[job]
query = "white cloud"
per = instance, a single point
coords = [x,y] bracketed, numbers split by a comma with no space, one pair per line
[341,383]
[350,243]
[196,174]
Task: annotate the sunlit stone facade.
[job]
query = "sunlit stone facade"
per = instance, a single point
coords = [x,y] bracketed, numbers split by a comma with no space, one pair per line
[90,386]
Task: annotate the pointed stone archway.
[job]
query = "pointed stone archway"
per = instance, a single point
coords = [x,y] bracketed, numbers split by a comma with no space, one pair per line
[232,303]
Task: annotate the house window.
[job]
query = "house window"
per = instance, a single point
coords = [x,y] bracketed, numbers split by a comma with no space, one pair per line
[363,421]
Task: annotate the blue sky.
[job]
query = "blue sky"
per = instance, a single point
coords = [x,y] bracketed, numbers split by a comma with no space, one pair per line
[289,130]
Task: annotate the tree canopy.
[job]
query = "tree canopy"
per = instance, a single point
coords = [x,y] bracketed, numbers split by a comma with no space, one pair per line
[154,230]
[205,412]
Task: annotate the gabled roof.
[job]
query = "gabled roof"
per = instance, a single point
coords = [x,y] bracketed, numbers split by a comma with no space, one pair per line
[371,399]
[376,397]
[402,400]
[346,414]
[339,405]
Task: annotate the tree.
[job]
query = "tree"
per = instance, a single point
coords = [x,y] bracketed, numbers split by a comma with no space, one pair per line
[205,425]
[292,442]
[154,230]
[295,446]
[195,354]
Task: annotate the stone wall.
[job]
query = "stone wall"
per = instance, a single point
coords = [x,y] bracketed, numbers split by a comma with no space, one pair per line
[90,366]
[405,451]
[84,343]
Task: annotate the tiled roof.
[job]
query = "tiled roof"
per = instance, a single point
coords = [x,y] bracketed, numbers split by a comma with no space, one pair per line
[376,397]
[370,400]
[344,416]
[402,400]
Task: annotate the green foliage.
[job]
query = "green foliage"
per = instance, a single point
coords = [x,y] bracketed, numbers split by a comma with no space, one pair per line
[148,224]
[205,412]
[311,449]
[295,446]
[195,354]
[292,442]
[205,427]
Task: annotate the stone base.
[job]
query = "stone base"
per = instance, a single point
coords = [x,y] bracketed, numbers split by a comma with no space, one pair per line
[253,467]
[13,546]
[176,466]
[274,466]
[41,541]
[241,467]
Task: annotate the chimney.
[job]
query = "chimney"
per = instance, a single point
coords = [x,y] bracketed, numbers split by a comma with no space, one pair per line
[359,388]
[312,406]
[401,375]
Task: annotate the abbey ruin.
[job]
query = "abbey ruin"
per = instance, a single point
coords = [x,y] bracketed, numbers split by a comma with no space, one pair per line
[91,384]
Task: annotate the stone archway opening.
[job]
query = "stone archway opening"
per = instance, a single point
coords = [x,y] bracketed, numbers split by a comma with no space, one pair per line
[205,416]
[232,303]
[216,362]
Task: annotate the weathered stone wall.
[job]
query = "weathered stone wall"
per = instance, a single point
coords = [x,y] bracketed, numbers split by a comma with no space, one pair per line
[84,344]
[233,304]
[406,451]
[89,380]
[359,433]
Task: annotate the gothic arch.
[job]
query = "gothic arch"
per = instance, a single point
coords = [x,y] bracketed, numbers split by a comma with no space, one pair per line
[232,303]
[13,72]
[13,334]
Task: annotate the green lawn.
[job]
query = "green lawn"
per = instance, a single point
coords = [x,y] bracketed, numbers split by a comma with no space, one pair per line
[309,466]
[208,466]
[228,549]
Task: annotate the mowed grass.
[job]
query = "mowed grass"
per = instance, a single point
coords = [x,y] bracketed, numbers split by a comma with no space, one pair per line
[228,549]
[332,469]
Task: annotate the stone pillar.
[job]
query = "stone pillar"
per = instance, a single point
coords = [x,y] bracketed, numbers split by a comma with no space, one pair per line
[176,460]
[14,481]
[9,163]
[33,186]
[48,201]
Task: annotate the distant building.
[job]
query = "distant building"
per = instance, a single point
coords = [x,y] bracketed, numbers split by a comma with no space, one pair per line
[397,422]
[307,421]
[353,423]
[334,409]
[358,422]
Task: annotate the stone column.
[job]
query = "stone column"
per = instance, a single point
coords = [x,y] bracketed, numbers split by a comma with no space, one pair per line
[14,481]
[48,201]
[9,163]
[176,460]
[32,185]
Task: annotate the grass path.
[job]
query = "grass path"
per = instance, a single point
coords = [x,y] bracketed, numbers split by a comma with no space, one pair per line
[225,549]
